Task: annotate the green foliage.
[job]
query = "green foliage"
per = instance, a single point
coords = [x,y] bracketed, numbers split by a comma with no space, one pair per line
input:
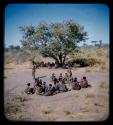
[67,34]
[12,47]
[86,61]
[55,40]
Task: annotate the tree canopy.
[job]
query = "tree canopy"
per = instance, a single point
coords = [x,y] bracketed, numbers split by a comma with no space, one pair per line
[55,40]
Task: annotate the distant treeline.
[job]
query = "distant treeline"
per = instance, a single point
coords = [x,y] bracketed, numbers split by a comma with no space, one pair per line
[12,47]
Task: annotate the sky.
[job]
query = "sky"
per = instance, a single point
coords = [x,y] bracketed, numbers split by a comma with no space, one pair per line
[94,18]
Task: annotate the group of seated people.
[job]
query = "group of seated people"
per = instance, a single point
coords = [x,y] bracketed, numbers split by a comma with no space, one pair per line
[58,86]
[43,64]
[53,64]
[41,88]
[75,85]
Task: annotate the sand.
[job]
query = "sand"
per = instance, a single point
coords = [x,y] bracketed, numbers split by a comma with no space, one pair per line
[87,104]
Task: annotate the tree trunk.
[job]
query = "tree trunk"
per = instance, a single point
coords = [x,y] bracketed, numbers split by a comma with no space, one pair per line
[60,61]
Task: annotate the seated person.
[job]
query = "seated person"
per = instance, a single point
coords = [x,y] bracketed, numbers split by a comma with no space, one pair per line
[49,90]
[44,87]
[55,80]
[29,90]
[56,87]
[39,90]
[66,77]
[63,87]
[75,84]
[36,82]
[71,79]
[53,77]
[40,81]
[60,77]
[69,72]
[84,82]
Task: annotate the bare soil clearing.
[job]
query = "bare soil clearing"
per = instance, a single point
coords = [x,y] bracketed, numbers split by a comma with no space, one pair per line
[90,104]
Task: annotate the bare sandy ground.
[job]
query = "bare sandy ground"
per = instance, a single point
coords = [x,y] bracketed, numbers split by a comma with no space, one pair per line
[88,104]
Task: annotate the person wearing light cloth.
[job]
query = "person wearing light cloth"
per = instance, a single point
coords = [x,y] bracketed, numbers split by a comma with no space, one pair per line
[63,87]
[49,91]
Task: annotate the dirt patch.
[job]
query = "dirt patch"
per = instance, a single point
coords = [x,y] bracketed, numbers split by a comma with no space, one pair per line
[83,105]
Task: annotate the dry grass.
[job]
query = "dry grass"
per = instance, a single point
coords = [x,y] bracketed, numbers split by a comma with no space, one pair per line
[104,67]
[98,55]
[103,85]
[11,108]
[67,112]
[95,68]
[22,98]
[14,107]
[88,69]
[7,68]
[89,95]
[79,116]
[98,104]
[85,109]
[47,114]
[45,110]
[50,117]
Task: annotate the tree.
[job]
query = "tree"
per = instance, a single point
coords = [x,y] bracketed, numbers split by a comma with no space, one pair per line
[17,47]
[55,40]
[94,42]
[100,41]
[11,47]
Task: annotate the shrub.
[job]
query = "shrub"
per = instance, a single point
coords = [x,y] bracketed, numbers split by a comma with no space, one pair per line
[86,61]
[22,98]
[11,108]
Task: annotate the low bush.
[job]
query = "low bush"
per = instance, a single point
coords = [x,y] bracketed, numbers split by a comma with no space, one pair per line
[86,61]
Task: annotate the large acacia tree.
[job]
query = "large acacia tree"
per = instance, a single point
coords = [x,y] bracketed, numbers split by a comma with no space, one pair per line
[55,40]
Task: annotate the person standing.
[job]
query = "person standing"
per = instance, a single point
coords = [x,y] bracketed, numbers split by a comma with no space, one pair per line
[34,66]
